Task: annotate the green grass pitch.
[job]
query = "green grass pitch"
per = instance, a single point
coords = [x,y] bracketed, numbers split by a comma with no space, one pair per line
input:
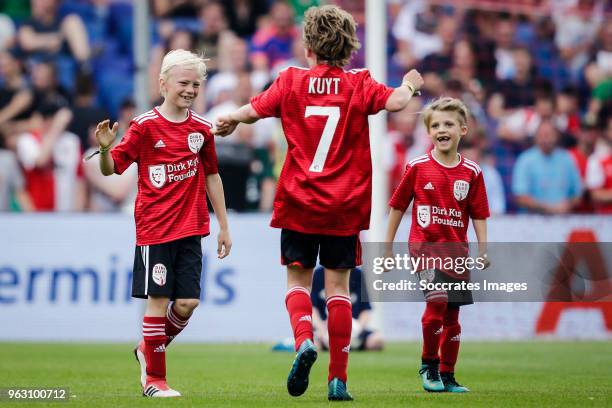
[519,374]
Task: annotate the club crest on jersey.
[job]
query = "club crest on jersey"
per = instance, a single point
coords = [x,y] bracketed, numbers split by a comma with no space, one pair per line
[159,274]
[195,141]
[424,215]
[460,189]
[157,175]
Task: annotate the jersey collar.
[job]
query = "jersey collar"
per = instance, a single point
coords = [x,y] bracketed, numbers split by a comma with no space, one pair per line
[444,165]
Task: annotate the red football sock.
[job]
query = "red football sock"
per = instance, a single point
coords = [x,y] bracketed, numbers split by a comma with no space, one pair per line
[339,326]
[299,307]
[154,333]
[432,328]
[449,343]
[175,323]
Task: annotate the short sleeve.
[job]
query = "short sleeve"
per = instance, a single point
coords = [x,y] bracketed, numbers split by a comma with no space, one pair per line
[520,177]
[128,150]
[375,94]
[404,193]
[208,155]
[478,201]
[268,103]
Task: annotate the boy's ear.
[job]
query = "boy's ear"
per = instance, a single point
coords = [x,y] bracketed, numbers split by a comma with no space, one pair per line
[464,131]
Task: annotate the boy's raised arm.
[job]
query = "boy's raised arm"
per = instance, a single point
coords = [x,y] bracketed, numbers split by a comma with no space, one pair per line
[400,97]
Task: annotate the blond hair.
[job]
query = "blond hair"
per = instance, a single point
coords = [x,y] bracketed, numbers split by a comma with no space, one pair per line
[446,104]
[330,33]
[182,58]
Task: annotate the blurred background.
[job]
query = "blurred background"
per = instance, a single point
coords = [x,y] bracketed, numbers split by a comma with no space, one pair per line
[536,75]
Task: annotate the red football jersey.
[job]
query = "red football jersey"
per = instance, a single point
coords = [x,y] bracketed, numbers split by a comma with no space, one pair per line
[325,186]
[173,160]
[445,198]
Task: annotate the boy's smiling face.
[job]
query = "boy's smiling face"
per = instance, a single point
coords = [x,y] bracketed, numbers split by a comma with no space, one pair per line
[182,86]
[446,130]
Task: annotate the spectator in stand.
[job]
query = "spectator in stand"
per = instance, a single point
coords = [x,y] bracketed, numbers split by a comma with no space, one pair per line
[586,137]
[51,158]
[505,31]
[15,93]
[545,54]
[86,113]
[47,90]
[598,75]
[464,70]
[546,179]
[214,29]
[567,115]
[520,125]
[439,63]
[45,34]
[175,8]
[415,33]
[233,61]
[12,185]
[243,15]
[599,176]
[272,43]
[116,192]
[577,24]
[602,52]
[518,91]
[492,179]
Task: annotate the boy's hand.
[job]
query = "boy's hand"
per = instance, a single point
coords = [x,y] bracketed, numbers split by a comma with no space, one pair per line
[224,126]
[224,244]
[414,79]
[105,135]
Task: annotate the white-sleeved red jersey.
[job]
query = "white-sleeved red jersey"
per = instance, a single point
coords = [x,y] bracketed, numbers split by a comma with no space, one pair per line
[326,183]
[173,160]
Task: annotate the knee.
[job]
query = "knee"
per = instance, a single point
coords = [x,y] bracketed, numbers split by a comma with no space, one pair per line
[186,305]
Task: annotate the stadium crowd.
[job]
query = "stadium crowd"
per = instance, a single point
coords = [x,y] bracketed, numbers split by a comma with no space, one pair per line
[536,75]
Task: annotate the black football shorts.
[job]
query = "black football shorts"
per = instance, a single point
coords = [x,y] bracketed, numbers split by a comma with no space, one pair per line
[171,269]
[334,252]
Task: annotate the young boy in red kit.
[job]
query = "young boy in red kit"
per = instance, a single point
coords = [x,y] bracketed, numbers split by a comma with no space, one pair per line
[444,183]
[324,191]
[177,167]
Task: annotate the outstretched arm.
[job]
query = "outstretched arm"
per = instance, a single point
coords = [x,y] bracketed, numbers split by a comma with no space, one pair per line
[400,97]
[227,123]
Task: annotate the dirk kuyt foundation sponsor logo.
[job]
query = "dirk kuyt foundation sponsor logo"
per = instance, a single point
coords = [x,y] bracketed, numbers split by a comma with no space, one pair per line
[161,174]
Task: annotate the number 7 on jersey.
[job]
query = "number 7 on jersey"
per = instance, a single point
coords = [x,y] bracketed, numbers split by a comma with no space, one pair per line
[333,116]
